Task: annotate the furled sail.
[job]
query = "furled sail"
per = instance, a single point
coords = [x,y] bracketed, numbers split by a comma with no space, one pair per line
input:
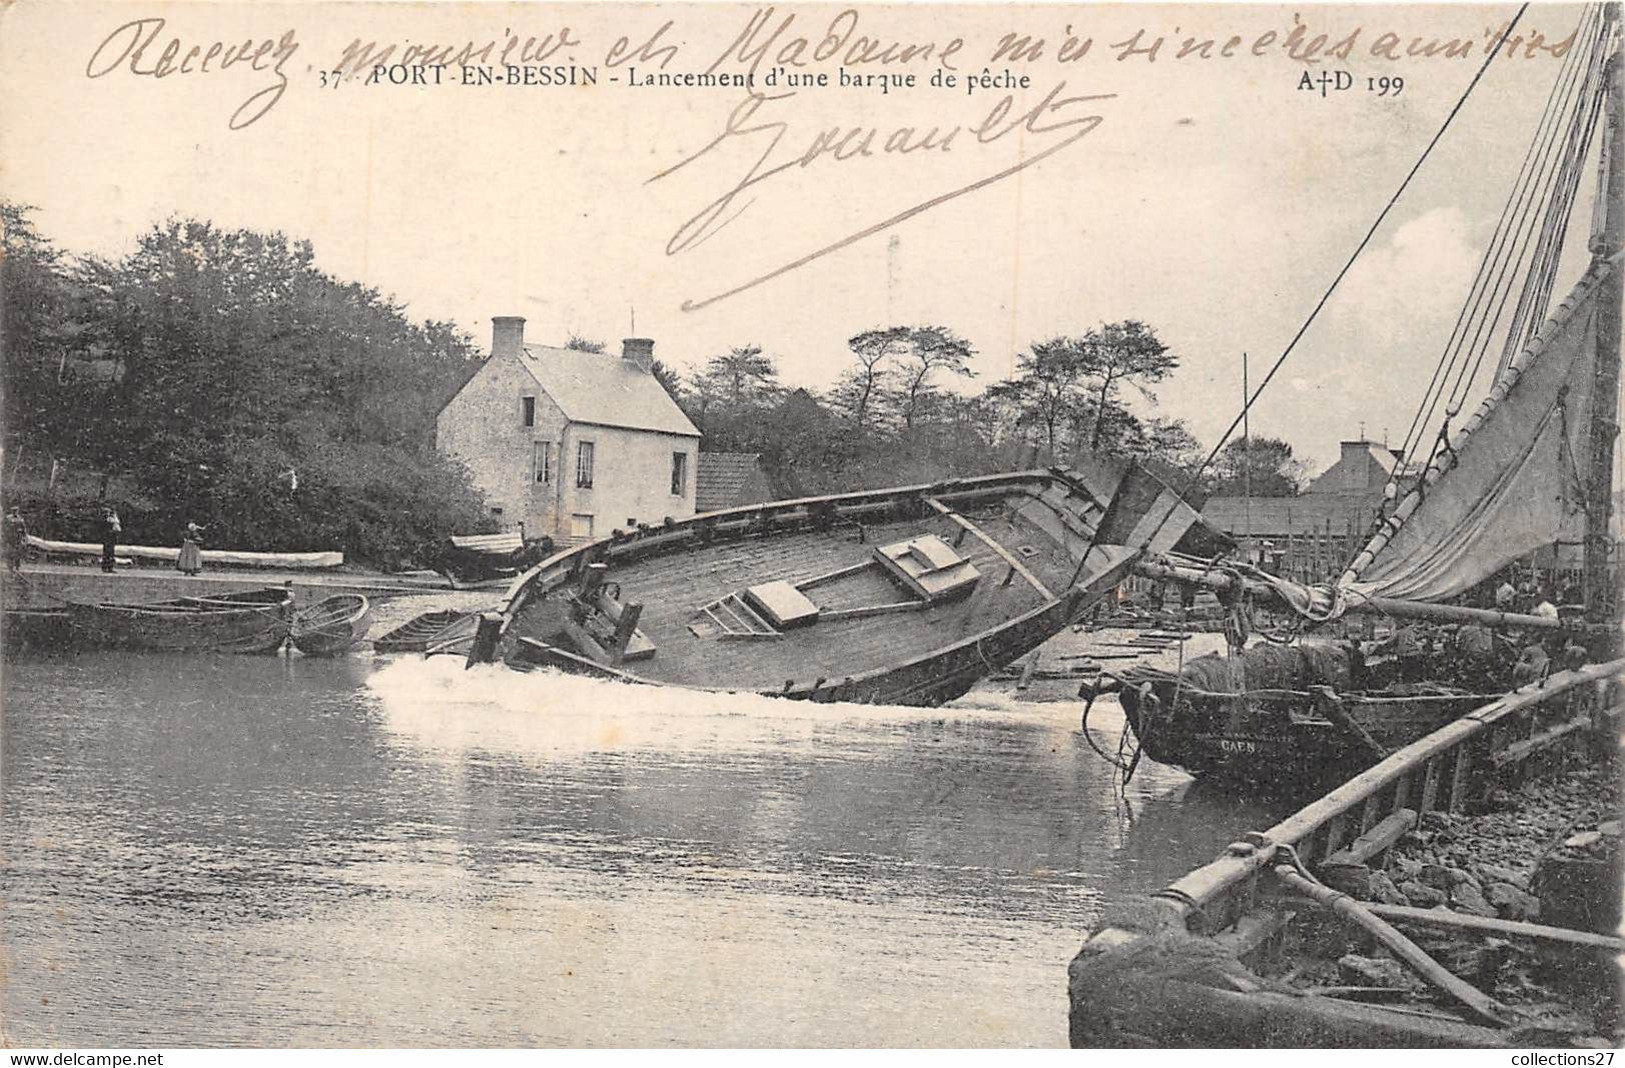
[1511,479]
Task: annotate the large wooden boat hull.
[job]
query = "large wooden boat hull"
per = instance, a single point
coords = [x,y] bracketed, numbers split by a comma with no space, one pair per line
[255,621]
[332,626]
[1022,556]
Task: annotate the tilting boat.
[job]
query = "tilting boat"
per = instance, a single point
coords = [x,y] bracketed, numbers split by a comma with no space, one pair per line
[898,596]
[416,635]
[331,626]
[251,621]
[1237,953]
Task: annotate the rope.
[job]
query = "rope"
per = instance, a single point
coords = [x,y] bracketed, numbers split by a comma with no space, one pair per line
[1326,296]
[1451,350]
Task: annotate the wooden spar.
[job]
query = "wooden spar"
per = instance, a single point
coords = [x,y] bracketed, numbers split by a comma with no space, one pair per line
[1243,859]
[1220,581]
[1004,554]
[1483,1007]
[1599,590]
[1444,919]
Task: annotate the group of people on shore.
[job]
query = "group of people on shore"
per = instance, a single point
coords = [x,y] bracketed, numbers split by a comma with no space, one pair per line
[109,528]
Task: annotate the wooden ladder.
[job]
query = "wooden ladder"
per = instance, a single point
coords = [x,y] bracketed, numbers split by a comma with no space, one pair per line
[737,620]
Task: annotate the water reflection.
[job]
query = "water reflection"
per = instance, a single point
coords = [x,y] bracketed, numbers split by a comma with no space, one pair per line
[263,851]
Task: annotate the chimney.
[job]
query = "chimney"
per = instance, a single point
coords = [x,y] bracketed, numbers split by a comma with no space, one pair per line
[639,351]
[507,335]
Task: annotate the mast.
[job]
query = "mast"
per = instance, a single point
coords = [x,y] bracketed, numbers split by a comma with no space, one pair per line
[1599,591]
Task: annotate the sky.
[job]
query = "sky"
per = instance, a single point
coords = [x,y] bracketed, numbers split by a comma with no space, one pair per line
[1213,198]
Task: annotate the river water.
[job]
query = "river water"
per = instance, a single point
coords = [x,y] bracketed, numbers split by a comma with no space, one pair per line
[265,851]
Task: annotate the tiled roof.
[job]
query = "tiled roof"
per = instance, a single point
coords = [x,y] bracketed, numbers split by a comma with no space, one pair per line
[725,480]
[596,387]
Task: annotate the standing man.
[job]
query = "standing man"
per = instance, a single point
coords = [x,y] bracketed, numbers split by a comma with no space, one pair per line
[111,529]
[16,540]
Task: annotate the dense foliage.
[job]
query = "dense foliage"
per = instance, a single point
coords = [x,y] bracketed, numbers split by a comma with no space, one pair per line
[221,376]
[890,418]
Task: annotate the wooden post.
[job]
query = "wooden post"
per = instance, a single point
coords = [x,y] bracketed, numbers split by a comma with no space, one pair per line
[625,627]
[1599,592]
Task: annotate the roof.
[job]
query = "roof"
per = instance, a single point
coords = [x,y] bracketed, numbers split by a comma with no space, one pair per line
[1353,471]
[725,480]
[595,387]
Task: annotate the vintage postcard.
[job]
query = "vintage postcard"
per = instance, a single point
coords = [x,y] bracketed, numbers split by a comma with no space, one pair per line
[740,525]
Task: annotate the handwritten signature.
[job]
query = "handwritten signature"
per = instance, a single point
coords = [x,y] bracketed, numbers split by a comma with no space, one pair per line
[129,44]
[1056,114]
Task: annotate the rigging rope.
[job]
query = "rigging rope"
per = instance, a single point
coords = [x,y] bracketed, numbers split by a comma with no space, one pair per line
[1469,309]
[1326,296]
[1538,204]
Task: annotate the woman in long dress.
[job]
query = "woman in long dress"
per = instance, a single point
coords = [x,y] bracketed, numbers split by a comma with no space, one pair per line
[190,562]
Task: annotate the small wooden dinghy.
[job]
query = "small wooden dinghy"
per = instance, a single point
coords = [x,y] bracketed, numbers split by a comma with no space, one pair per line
[416,635]
[251,621]
[331,626]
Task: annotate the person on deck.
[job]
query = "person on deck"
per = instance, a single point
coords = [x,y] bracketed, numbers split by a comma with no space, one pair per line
[16,540]
[111,529]
[190,561]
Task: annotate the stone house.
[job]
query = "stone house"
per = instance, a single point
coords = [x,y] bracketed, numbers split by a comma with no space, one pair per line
[571,444]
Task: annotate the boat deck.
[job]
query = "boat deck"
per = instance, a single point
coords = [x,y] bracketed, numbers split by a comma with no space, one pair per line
[673,588]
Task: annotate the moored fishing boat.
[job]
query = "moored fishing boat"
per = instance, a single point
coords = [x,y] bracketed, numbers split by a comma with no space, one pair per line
[251,621]
[331,626]
[1282,718]
[906,595]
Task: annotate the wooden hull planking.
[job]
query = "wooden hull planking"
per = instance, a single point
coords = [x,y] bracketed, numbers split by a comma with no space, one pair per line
[1023,534]
[1179,965]
[332,626]
[251,622]
[1283,735]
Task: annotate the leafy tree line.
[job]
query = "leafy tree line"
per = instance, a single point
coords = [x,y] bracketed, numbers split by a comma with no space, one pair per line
[219,375]
[891,418]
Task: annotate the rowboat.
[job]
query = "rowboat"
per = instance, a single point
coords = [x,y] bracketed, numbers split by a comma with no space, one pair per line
[251,621]
[899,596]
[1238,952]
[415,635]
[34,629]
[331,626]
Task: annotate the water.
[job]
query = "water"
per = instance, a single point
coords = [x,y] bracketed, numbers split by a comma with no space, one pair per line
[220,851]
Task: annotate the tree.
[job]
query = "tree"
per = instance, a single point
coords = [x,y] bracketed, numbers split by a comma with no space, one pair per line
[246,370]
[931,349]
[578,343]
[742,375]
[729,397]
[862,388]
[1048,386]
[668,378]
[39,327]
[1265,468]
[1116,353]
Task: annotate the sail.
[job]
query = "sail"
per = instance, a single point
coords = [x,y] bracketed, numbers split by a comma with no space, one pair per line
[1512,479]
